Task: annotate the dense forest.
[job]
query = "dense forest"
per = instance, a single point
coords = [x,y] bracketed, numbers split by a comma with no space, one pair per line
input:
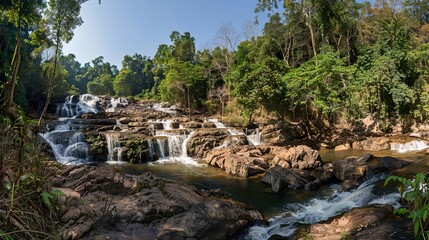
[315,61]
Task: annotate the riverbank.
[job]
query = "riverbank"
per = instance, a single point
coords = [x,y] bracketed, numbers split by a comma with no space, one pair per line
[146,137]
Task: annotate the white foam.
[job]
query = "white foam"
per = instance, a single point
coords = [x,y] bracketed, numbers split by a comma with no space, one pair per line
[415,145]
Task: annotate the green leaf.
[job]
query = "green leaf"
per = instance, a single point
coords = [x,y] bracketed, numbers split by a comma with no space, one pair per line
[57,193]
[46,198]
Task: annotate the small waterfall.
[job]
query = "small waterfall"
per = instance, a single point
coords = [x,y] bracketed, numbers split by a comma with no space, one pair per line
[161,107]
[114,148]
[175,147]
[415,145]
[255,138]
[117,102]
[73,106]
[335,202]
[69,147]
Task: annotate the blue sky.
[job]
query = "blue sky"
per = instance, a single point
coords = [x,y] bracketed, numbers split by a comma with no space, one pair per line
[119,27]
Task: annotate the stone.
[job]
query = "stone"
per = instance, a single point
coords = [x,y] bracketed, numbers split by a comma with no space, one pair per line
[342,147]
[280,178]
[355,219]
[373,144]
[352,171]
[214,219]
[245,161]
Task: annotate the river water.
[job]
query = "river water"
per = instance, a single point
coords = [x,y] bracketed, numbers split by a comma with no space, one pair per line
[283,210]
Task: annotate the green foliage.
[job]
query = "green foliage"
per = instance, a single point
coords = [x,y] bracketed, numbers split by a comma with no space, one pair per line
[418,202]
[47,197]
[25,178]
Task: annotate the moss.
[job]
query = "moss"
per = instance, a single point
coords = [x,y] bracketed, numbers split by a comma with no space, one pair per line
[136,150]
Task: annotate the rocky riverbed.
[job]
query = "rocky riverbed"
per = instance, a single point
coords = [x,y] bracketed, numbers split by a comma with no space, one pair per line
[104,201]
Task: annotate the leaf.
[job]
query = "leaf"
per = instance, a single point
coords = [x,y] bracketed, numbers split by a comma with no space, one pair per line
[57,193]
[46,198]
[401,211]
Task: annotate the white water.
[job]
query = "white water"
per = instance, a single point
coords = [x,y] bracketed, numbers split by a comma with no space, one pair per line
[177,149]
[114,148]
[87,104]
[320,209]
[255,138]
[117,102]
[161,107]
[69,147]
[167,124]
[415,145]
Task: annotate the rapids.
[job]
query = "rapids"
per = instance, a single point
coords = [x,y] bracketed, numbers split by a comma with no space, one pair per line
[284,210]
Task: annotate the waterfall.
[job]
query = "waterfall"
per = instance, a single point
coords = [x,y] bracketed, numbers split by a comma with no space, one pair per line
[117,102]
[255,138]
[176,146]
[73,107]
[68,146]
[114,148]
[333,203]
[415,145]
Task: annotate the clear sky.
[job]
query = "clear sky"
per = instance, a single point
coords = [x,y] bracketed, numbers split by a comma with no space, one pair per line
[119,27]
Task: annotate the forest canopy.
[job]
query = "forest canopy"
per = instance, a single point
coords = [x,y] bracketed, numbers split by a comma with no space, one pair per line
[314,61]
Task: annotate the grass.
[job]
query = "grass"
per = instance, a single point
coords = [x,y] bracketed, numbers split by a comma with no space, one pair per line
[27,204]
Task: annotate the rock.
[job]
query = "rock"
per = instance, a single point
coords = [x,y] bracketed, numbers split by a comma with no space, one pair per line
[373,144]
[214,219]
[125,120]
[280,178]
[245,161]
[352,171]
[342,147]
[281,132]
[110,202]
[389,228]
[204,140]
[353,220]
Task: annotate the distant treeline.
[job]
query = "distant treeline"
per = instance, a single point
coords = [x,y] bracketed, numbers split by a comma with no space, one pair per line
[316,60]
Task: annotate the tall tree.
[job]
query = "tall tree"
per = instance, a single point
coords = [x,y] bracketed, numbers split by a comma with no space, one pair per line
[62,17]
[22,14]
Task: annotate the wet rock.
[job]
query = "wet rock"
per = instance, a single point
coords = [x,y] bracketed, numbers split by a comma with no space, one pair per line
[214,219]
[373,144]
[352,171]
[351,221]
[109,202]
[204,140]
[280,178]
[391,228]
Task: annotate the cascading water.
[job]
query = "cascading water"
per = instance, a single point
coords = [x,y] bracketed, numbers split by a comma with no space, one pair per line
[73,106]
[255,138]
[172,147]
[335,201]
[117,102]
[114,148]
[68,146]
[415,145]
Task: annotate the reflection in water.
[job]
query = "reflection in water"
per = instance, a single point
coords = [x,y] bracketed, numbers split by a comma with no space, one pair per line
[286,209]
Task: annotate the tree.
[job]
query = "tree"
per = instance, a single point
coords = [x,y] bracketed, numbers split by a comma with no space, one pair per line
[21,13]
[62,17]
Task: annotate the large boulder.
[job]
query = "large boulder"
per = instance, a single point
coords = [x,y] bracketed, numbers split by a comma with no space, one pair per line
[214,219]
[346,224]
[203,140]
[245,161]
[352,171]
[281,132]
[105,201]
[373,144]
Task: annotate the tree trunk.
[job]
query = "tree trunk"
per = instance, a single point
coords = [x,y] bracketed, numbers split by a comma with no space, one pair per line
[52,78]
[8,107]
